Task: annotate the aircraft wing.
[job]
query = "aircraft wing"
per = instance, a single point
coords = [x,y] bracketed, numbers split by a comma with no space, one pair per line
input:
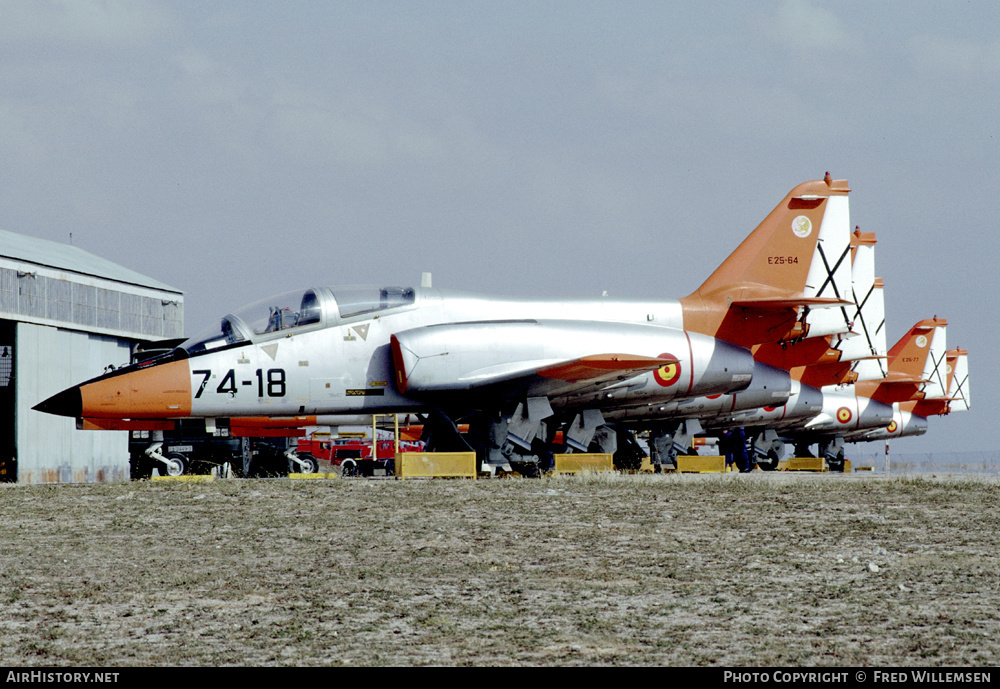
[601,367]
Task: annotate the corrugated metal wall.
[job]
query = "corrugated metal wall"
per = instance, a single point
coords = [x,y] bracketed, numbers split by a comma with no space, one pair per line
[49,448]
[31,294]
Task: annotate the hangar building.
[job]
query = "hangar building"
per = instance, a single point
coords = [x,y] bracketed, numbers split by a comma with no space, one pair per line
[65,316]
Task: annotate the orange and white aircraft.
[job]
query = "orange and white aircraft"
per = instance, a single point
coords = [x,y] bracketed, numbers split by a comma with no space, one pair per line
[513,368]
[909,418]
[916,371]
[819,363]
[893,386]
[834,414]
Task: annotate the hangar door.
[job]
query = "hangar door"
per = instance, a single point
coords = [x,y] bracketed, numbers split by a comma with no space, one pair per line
[8,454]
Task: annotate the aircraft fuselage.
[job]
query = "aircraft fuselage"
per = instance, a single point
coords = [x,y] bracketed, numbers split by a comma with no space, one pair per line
[330,351]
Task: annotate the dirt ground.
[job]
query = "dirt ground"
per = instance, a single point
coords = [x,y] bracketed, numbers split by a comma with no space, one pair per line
[726,570]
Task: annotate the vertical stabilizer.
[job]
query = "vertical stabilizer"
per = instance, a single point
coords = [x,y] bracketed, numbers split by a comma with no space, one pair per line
[869,353]
[916,366]
[794,265]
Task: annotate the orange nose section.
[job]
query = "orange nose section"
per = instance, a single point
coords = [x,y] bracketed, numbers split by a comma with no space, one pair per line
[160,391]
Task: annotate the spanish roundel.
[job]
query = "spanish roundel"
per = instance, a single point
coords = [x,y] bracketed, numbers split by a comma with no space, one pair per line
[891,427]
[844,415]
[669,374]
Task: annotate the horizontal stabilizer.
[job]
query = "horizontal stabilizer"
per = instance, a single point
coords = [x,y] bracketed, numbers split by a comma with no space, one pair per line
[784,303]
[901,378]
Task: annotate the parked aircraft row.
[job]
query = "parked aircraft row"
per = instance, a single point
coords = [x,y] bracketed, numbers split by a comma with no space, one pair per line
[786,338]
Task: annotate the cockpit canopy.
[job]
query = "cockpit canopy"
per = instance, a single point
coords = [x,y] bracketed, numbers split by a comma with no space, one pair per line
[297,311]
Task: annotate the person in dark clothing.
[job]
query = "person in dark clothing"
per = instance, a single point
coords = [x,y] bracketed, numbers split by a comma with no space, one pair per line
[734,446]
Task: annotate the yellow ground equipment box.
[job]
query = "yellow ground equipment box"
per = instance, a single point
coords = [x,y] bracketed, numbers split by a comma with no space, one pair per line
[575,463]
[698,464]
[436,465]
[802,464]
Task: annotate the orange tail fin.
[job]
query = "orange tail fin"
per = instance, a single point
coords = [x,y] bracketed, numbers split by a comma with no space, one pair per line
[796,263]
[916,366]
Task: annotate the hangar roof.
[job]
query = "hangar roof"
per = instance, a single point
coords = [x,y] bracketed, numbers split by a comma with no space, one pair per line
[44,252]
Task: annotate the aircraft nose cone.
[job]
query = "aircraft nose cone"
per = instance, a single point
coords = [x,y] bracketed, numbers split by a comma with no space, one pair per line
[66,403]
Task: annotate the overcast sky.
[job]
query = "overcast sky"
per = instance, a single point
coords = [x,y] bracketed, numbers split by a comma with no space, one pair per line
[235,149]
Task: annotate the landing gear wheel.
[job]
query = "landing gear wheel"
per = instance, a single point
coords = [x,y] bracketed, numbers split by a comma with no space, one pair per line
[527,469]
[768,463]
[307,464]
[348,468]
[243,466]
[627,462]
[176,465]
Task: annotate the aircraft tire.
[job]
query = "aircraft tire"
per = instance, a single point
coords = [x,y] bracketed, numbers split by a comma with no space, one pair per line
[177,465]
[348,468]
[307,464]
[236,467]
[243,463]
[768,463]
[526,469]
[836,463]
[627,463]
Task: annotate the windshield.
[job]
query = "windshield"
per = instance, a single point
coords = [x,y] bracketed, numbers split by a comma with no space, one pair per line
[296,310]
[353,301]
[292,310]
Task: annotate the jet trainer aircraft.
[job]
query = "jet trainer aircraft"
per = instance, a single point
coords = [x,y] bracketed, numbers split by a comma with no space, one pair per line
[873,409]
[915,370]
[905,385]
[505,365]
[909,418]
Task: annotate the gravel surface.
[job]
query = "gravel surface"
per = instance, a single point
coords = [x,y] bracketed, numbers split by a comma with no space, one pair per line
[724,570]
